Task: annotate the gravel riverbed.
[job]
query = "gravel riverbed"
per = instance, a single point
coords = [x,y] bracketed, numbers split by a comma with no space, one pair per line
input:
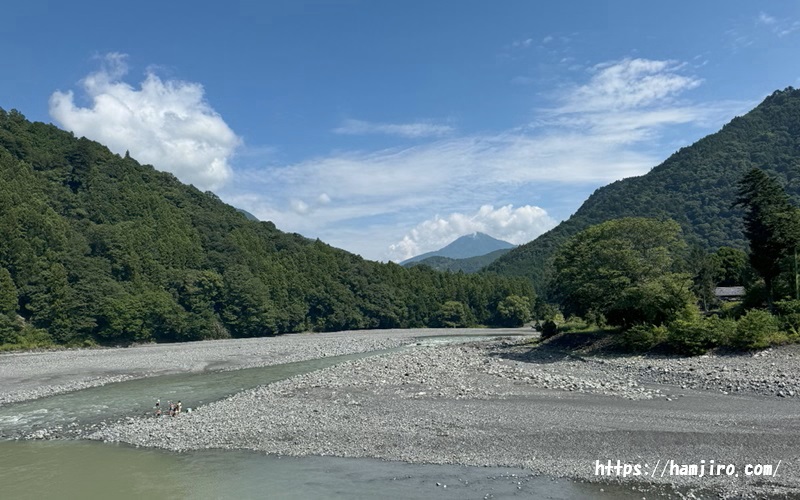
[31,375]
[507,403]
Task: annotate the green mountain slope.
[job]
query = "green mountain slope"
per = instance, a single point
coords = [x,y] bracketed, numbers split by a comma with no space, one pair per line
[95,246]
[467,265]
[696,186]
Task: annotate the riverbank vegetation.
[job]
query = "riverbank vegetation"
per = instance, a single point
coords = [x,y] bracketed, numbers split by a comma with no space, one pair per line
[636,280]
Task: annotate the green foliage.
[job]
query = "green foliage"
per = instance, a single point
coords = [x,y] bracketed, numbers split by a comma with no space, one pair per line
[548,329]
[658,301]
[466,265]
[14,334]
[789,313]
[95,247]
[696,187]
[755,330]
[733,266]
[575,324]
[706,271]
[622,270]
[772,225]
[643,338]
[696,336]
[8,294]
[453,314]
[543,311]
[514,311]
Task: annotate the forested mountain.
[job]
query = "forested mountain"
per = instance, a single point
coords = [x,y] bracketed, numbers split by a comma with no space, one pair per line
[96,247]
[248,215]
[466,265]
[464,247]
[696,186]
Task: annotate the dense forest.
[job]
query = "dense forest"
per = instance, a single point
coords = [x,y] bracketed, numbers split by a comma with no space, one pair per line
[95,247]
[696,187]
[465,265]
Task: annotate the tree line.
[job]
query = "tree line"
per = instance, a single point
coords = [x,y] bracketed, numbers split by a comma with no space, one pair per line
[640,276]
[97,248]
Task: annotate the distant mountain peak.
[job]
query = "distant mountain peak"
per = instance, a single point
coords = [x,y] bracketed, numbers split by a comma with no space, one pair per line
[469,245]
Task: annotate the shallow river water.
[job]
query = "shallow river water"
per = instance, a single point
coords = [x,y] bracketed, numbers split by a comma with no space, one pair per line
[86,470]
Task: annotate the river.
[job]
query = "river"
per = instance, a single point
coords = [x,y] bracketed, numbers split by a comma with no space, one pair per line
[68,468]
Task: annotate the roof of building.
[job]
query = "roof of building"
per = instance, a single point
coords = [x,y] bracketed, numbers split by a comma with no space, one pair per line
[729,291]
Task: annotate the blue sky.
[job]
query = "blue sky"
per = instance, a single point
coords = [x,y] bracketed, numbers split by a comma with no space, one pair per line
[391,128]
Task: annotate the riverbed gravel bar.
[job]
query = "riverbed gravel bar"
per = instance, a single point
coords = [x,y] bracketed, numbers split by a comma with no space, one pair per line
[508,403]
[31,375]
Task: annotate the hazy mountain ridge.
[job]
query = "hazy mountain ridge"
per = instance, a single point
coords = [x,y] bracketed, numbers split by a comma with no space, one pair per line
[467,265]
[464,247]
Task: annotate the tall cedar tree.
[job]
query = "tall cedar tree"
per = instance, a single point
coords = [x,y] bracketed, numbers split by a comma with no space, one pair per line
[771,225]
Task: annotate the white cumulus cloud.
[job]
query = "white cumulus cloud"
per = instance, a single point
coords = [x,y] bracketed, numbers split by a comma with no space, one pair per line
[166,123]
[515,225]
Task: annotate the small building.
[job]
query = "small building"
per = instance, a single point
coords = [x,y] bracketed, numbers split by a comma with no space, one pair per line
[729,293]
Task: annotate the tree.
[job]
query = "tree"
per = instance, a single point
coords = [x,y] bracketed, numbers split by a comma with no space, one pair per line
[514,311]
[772,225]
[453,314]
[733,266]
[8,294]
[705,270]
[622,269]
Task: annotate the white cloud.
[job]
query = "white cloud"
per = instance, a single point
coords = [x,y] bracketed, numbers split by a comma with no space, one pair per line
[766,19]
[628,84]
[778,27]
[166,123]
[372,198]
[522,44]
[516,226]
[410,130]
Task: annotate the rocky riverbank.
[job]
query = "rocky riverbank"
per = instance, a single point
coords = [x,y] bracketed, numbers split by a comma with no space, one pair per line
[31,375]
[506,403]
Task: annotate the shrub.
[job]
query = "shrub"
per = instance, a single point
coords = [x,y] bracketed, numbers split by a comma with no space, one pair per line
[693,336]
[731,310]
[642,338]
[784,307]
[689,337]
[719,330]
[755,330]
[548,329]
[789,312]
[574,324]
